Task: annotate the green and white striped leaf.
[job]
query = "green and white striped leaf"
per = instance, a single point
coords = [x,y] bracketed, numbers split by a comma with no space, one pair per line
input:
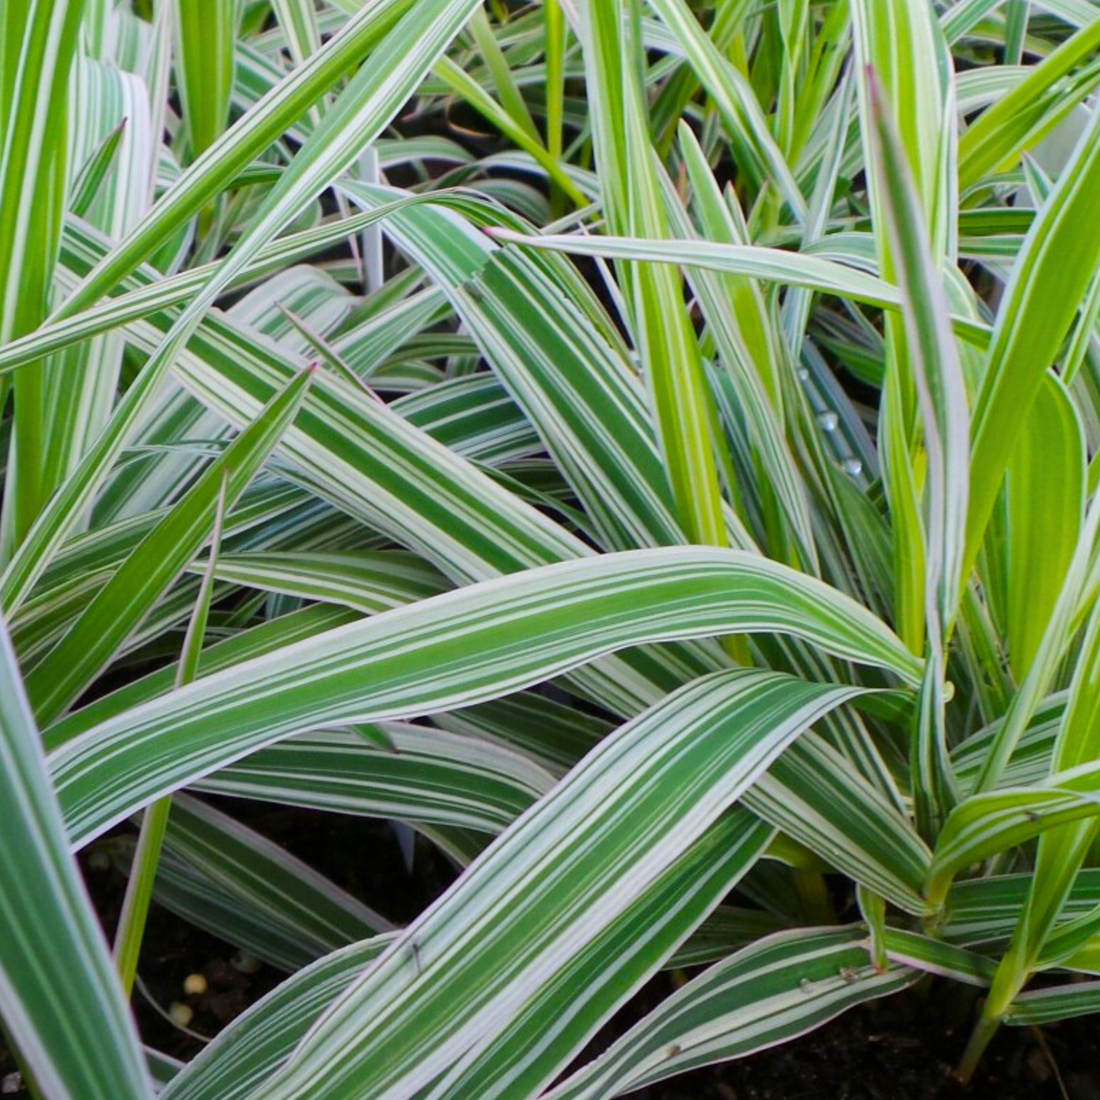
[628,951]
[770,264]
[227,853]
[989,823]
[985,910]
[413,773]
[419,659]
[1049,281]
[1044,511]
[204,68]
[258,1041]
[1061,1002]
[121,604]
[372,98]
[779,988]
[450,982]
[53,954]
[368,581]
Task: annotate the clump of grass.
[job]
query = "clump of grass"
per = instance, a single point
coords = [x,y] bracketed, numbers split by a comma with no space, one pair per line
[644,447]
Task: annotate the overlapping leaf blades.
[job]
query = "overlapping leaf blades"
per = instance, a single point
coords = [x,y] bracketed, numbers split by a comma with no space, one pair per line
[818,282]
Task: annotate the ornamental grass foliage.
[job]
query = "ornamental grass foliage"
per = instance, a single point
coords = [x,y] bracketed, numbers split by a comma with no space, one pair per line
[643,446]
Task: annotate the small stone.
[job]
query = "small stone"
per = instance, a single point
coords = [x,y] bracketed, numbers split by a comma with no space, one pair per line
[244,962]
[195,985]
[181,1014]
[11,1083]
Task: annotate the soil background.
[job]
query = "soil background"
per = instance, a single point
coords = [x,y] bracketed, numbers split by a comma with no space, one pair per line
[898,1048]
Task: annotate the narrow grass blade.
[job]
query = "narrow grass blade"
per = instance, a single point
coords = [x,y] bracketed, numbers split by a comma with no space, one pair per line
[124,601]
[779,988]
[1049,281]
[411,660]
[61,1000]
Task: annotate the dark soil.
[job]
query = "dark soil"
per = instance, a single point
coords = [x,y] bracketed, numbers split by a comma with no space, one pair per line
[899,1048]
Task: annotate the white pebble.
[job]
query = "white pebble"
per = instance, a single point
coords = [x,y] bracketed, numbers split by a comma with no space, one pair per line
[194,984]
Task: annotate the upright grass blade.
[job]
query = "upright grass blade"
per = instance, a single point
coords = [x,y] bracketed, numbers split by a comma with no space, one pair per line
[934,362]
[205,31]
[154,821]
[749,349]
[936,369]
[1044,513]
[733,95]
[1060,854]
[52,953]
[665,341]
[900,41]
[38,41]
[516,125]
[556,34]
[1049,280]
[82,383]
